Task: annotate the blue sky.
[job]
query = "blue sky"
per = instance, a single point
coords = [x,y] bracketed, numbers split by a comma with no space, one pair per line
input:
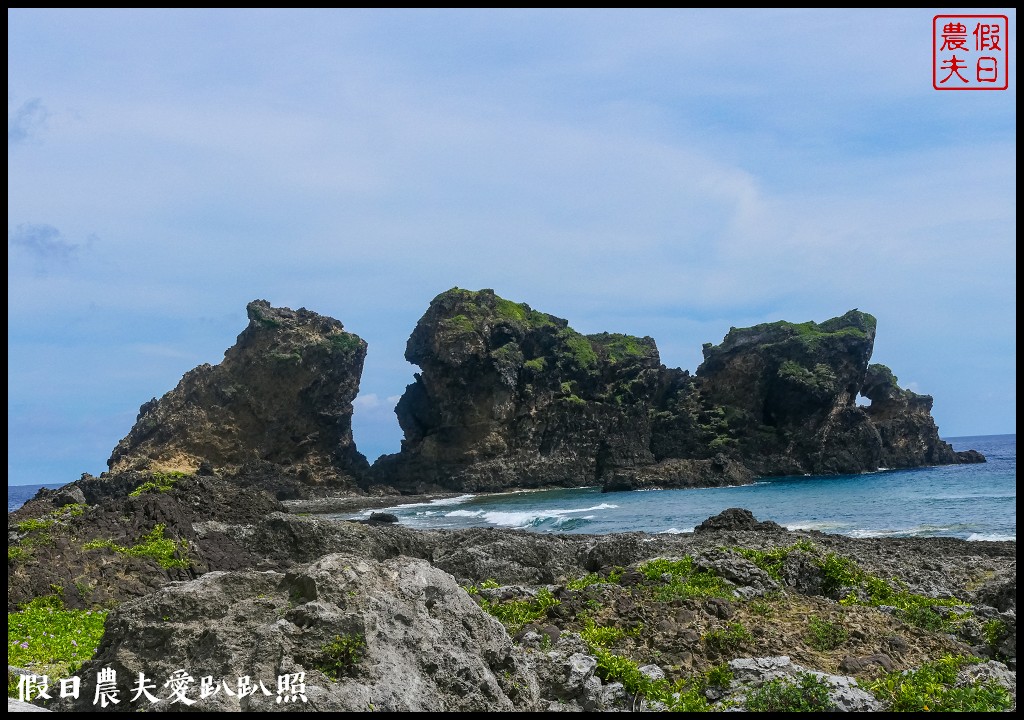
[663,173]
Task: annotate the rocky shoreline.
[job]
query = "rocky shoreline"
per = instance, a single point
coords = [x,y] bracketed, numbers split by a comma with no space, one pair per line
[388,618]
[204,563]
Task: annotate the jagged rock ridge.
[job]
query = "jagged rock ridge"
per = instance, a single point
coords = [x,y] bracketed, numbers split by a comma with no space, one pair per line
[278,408]
[511,397]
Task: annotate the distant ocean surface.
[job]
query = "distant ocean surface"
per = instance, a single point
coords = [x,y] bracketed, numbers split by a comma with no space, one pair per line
[973,502]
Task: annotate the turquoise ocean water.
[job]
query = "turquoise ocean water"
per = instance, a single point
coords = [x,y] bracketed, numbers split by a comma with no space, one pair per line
[973,502]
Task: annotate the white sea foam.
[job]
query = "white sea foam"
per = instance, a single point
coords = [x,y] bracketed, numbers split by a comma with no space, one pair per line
[821,525]
[464,513]
[556,517]
[916,531]
[406,506]
[675,531]
[991,537]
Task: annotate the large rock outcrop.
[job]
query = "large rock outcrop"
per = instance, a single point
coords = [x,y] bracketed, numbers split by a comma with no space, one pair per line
[904,422]
[780,397]
[277,409]
[512,397]
[398,635]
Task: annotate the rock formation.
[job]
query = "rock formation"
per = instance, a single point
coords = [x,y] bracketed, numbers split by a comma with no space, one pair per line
[277,409]
[780,397]
[905,425]
[512,397]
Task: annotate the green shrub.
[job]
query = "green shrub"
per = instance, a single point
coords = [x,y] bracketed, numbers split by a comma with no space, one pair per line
[341,656]
[34,524]
[345,342]
[771,561]
[600,636]
[729,639]
[720,676]
[153,545]
[161,483]
[824,635]
[514,614]
[931,688]
[993,631]
[808,693]
[840,572]
[683,580]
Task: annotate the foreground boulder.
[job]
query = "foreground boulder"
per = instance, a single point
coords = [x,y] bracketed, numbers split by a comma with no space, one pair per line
[278,408]
[397,635]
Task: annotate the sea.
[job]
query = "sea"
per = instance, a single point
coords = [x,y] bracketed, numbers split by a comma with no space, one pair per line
[972,502]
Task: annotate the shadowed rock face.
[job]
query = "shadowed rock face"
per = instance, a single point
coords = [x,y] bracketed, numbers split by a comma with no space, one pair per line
[904,421]
[512,397]
[781,397]
[278,406]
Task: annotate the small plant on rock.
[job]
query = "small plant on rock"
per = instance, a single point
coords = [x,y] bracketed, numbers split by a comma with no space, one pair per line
[341,656]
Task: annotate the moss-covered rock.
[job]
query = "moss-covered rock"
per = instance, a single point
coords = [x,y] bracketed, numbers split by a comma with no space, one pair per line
[509,396]
[512,397]
[277,409]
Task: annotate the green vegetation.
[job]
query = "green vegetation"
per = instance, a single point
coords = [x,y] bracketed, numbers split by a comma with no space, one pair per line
[345,342]
[620,347]
[728,640]
[824,635]
[153,545]
[684,695]
[514,614]
[680,580]
[854,325]
[579,349]
[595,578]
[821,379]
[808,693]
[161,483]
[720,676]
[993,631]
[537,364]
[511,310]
[460,324]
[35,531]
[841,573]
[34,524]
[879,374]
[49,640]
[522,313]
[292,357]
[932,688]
[595,635]
[867,589]
[771,561]
[341,656]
